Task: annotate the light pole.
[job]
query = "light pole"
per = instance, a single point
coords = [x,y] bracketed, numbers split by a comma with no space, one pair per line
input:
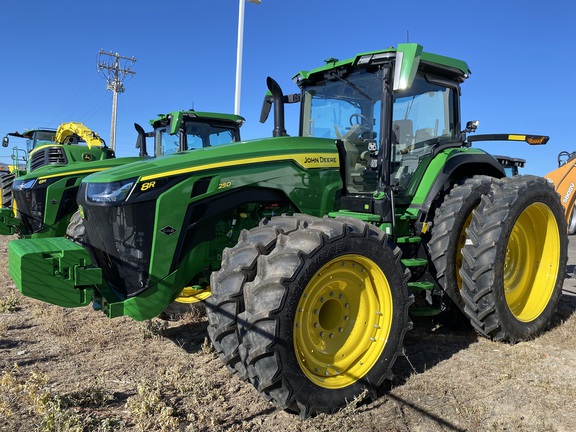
[239,52]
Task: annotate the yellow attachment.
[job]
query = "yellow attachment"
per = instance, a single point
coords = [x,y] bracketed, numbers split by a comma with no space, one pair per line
[343,321]
[531,263]
[66,130]
[193,295]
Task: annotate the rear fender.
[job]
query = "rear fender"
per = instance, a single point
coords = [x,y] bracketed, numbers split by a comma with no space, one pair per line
[461,165]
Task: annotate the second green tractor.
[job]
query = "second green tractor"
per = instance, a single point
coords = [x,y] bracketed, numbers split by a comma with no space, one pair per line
[42,198]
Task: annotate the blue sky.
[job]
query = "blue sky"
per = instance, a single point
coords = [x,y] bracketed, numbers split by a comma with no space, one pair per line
[521,55]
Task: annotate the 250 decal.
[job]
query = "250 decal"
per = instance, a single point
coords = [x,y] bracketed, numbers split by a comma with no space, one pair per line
[224,185]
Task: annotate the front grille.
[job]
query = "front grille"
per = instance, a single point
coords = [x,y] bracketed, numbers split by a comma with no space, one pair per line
[48,156]
[31,204]
[67,204]
[121,237]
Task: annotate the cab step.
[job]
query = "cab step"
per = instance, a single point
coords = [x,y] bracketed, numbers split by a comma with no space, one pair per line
[408,240]
[425,311]
[421,286]
[415,262]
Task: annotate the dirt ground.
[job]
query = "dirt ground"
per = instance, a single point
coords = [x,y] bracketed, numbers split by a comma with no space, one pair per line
[76,370]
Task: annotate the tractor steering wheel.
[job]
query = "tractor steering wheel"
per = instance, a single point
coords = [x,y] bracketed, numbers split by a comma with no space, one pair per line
[358,118]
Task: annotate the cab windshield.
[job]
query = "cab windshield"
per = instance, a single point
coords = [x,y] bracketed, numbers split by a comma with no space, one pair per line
[199,134]
[39,135]
[350,108]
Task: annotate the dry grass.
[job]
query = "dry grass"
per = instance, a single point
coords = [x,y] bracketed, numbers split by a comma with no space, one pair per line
[9,303]
[75,370]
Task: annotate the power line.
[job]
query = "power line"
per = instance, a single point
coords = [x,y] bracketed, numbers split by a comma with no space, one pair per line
[115,71]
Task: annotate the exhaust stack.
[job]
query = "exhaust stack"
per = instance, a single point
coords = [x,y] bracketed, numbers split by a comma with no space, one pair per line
[278,101]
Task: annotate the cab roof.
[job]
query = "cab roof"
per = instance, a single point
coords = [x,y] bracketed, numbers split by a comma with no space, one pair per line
[412,56]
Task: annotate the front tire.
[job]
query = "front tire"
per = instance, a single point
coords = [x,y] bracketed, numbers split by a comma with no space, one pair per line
[515,259]
[325,316]
[227,299]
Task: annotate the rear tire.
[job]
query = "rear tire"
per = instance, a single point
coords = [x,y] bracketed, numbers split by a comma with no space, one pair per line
[448,233]
[6,182]
[515,259]
[325,316]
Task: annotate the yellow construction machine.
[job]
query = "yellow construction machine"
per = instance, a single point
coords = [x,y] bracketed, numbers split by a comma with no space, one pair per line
[564,179]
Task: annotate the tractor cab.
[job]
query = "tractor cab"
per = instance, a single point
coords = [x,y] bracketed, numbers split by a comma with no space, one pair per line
[190,130]
[390,113]
[33,137]
[352,109]
[387,129]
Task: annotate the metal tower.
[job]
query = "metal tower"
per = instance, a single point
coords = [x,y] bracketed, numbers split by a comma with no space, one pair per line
[115,71]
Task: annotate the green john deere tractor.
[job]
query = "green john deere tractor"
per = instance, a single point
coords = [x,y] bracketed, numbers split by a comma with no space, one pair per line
[33,138]
[45,198]
[315,248]
[62,150]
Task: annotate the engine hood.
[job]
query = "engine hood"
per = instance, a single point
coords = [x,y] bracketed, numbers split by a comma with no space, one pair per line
[309,153]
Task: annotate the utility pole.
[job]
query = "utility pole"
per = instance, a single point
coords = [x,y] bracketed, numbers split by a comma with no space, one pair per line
[115,71]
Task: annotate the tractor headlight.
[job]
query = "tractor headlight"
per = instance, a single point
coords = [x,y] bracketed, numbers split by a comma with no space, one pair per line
[24,184]
[113,192]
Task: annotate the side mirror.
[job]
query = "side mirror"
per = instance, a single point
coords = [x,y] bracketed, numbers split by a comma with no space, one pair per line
[471,126]
[266,106]
[5,141]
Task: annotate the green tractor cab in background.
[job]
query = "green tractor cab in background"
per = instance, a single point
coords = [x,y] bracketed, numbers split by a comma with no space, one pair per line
[44,198]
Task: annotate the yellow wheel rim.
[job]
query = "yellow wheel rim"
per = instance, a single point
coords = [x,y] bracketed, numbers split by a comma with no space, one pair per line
[343,321]
[532,262]
[461,244]
[193,295]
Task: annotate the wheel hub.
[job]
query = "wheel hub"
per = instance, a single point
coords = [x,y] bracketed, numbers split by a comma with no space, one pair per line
[531,264]
[342,321]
